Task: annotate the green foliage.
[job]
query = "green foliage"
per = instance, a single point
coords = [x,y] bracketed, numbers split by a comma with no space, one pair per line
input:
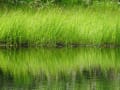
[57,26]
[62,2]
[33,3]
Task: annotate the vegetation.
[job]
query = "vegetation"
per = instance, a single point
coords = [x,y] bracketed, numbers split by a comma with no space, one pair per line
[59,26]
[63,2]
[59,23]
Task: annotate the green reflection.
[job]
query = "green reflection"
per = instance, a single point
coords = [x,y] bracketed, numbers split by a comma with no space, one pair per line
[60,69]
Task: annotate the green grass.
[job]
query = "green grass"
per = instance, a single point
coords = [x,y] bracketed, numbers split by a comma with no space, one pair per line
[55,25]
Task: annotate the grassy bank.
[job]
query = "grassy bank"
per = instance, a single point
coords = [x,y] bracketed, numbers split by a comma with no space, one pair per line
[54,26]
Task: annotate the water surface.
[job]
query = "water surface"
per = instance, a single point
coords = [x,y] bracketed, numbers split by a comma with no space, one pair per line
[60,69]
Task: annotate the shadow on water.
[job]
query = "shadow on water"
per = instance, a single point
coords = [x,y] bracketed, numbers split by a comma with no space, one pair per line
[60,69]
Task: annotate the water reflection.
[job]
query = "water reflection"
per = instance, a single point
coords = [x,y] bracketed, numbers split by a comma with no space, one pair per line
[60,69]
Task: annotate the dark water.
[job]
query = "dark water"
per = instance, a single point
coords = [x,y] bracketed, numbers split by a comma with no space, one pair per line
[60,69]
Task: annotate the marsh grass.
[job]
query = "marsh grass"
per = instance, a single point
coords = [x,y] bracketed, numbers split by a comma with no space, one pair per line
[58,26]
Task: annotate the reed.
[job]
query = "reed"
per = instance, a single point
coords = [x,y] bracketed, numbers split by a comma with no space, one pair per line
[58,26]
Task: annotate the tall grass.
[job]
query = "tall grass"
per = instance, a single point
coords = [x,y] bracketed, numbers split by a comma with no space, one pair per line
[54,26]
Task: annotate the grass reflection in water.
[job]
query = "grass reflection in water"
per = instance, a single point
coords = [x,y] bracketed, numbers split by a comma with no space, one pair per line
[58,69]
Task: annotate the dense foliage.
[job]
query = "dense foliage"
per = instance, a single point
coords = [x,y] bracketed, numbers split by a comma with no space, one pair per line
[63,2]
[60,27]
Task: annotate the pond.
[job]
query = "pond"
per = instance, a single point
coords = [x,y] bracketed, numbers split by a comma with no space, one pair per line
[59,68]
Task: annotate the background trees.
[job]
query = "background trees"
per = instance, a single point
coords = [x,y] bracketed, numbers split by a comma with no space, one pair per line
[62,2]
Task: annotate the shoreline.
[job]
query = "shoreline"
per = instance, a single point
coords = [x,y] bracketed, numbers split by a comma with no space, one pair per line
[59,45]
